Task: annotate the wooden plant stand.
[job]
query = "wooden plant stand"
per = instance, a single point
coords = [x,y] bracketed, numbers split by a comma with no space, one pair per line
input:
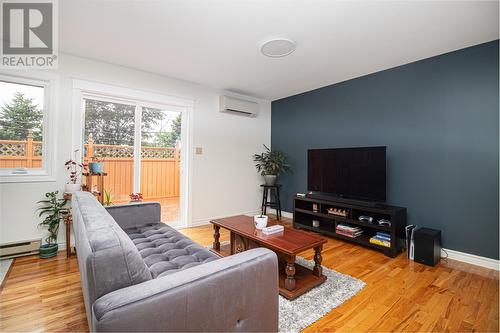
[68,219]
[99,181]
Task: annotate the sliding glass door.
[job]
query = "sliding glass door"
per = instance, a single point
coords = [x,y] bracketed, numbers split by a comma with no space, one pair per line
[140,145]
[109,135]
[160,159]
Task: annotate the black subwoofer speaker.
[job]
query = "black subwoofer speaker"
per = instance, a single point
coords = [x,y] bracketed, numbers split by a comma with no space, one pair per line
[427,245]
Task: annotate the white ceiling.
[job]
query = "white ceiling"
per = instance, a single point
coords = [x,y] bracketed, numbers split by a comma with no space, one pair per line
[216,42]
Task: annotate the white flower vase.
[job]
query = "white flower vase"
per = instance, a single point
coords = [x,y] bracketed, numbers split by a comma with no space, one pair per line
[260,221]
[71,188]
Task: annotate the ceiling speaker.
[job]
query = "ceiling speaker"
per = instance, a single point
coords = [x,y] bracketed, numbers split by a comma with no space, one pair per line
[277,48]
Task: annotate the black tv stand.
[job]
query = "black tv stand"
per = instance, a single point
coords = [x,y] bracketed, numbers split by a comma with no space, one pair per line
[319,208]
[322,196]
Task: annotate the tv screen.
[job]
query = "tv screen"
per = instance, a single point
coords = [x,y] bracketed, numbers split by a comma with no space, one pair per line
[357,173]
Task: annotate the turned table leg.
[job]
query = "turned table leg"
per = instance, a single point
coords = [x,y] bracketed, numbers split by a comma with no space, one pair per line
[290,275]
[318,270]
[216,244]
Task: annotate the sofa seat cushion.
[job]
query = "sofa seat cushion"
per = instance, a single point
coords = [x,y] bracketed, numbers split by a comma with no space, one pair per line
[165,250]
[108,259]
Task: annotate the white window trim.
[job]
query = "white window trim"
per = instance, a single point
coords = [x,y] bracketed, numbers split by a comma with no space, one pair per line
[89,89]
[50,83]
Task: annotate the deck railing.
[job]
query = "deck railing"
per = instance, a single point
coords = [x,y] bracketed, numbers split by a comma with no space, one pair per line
[21,153]
[159,166]
[159,169]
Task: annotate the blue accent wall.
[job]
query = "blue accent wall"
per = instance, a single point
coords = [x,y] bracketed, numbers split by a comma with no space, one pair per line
[438,118]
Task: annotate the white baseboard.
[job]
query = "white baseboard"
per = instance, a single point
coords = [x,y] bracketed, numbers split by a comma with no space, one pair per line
[200,222]
[283,213]
[452,254]
[472,259]
[61,246]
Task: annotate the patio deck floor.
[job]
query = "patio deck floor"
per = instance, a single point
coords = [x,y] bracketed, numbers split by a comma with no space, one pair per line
[169,208]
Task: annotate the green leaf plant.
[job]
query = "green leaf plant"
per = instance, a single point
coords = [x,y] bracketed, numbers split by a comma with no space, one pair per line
[54,210]
[271,162]
[108,198]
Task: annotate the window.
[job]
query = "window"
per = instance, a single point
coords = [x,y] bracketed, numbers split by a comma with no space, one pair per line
[23,129]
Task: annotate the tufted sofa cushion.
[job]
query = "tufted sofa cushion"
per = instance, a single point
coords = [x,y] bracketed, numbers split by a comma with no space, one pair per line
[165,250]
[107,257]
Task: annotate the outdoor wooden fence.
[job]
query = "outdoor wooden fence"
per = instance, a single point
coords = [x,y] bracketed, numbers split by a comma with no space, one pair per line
[21,154]
[160,176]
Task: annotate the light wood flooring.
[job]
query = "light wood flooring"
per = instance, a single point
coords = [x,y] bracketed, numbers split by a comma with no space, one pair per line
[45,295]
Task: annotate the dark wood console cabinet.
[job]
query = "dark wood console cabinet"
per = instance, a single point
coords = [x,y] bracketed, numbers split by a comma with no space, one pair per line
[307,209]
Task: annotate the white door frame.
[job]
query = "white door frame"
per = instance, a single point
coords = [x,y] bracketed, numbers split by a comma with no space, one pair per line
[139,98]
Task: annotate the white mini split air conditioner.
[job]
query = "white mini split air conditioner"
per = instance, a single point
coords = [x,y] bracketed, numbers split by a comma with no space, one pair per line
[238,106]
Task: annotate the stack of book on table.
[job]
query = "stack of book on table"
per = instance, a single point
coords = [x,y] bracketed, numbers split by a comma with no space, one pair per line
[274,229]
[381,238]
[348,231]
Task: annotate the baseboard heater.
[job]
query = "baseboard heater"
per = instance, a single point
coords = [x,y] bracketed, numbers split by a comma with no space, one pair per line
[18,249]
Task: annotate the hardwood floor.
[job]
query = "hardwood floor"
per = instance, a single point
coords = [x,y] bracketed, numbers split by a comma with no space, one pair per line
[45,295]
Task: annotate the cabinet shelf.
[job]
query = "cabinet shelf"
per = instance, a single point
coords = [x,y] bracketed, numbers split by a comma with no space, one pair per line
[362,239]
[303,217]
[345,220]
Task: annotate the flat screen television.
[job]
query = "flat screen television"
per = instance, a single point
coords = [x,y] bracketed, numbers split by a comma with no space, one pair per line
[357,173]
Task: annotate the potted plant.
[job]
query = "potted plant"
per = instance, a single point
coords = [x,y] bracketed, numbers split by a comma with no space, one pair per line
[260,221]
[136,197]
[75,171]
[54,210]
[97,165]
[271,164]
[108,198]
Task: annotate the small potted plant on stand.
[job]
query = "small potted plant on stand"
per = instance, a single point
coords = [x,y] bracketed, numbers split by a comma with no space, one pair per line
[54,210]
[75,171]
[97,165]
[271,164]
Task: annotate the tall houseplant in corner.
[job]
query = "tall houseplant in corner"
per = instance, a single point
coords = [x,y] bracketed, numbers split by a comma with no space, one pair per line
[54,210]
[270,164]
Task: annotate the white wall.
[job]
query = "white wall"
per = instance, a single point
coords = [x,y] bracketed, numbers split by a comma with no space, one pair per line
[224,180]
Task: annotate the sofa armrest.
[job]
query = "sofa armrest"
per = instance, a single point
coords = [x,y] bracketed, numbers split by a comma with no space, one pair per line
[135,214]
[235,293]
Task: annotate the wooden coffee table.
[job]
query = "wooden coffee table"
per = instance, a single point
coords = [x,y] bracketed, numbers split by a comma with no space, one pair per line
[294,279]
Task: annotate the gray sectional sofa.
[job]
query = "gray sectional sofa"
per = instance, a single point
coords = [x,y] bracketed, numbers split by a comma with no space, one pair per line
[138,274]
